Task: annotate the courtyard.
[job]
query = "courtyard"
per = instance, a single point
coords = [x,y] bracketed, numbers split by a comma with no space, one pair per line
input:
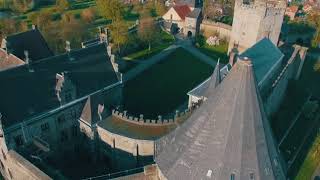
[162,89]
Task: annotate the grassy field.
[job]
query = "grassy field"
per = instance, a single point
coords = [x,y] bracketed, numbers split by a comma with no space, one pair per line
[311,162]
[166,40]
[216,52]
[162,88]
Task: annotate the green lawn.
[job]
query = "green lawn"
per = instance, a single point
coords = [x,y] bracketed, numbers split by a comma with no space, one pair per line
[166,40]
[163,87]
[311,162]
[216,52]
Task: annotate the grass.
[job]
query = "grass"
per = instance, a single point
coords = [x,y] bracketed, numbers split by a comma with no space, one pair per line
[216,52]
[166,40]
[311,162]
[162,88]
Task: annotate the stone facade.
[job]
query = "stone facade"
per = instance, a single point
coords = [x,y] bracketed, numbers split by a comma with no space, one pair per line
[254,21]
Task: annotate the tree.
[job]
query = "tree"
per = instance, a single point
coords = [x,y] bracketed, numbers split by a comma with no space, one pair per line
[314,20]
[62,5]
[119,33]
[10,26]
[148,31]
[88,15]
[160,8]
[110,9]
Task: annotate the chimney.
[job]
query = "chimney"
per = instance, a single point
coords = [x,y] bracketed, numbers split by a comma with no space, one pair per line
[4,46]
[302,55]
[68,47]
[233,56]
[100,110]
[28,61]
[26,55]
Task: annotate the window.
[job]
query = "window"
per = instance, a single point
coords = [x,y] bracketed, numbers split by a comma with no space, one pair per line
[18,140]
[251,175]
[4,155]
[74,131]
[61,119]
[233,176]
[63,136]
[45,127]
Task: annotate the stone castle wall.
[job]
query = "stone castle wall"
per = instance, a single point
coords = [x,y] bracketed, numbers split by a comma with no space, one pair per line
[151,122]
[211,28]
[279,86]
[130,145]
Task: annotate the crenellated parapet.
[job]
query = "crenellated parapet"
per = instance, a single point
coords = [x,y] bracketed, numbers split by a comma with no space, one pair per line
[160,121]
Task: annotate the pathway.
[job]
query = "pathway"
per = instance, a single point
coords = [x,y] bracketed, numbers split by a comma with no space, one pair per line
[185,44]
[316,173]
[148,63]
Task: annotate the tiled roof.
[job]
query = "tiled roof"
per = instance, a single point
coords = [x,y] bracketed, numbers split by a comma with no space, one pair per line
[31,41]
[26,94]
[182,10]
[229,135]
[293,9]
[8,60]
[191,3]
[195,13]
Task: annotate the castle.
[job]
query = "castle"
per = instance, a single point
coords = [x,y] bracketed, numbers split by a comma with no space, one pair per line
[60,109]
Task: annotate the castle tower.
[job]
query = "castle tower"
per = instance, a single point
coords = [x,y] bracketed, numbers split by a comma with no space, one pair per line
[228,137]
[253,21]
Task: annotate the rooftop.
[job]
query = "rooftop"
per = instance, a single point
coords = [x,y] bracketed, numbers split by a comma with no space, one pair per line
[228,135]
[195,13]
[31,41]
[33,93]
[182,10]
[265,56]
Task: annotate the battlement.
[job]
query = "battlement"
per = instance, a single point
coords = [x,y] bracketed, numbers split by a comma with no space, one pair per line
[150,122]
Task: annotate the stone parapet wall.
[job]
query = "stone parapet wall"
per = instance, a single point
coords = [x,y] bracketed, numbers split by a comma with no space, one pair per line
[279,85]
[150,122]
[130,145]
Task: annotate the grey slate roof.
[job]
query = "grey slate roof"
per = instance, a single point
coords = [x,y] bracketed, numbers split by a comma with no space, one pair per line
[228,134]
[264,55]
[32,41]
[25,94]
[195,13]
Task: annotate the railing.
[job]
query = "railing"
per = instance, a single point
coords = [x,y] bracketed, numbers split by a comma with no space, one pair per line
[117,174]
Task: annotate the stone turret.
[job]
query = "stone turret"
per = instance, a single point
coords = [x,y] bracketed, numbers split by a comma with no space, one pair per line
[254,20]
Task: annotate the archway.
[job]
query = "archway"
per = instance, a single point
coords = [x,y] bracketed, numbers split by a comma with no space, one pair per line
[189,34]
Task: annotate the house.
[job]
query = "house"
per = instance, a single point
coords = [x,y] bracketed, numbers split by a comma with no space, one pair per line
[185,18]
[291,11]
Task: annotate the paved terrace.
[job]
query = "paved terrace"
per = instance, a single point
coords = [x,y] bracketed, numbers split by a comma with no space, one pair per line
[143,132]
